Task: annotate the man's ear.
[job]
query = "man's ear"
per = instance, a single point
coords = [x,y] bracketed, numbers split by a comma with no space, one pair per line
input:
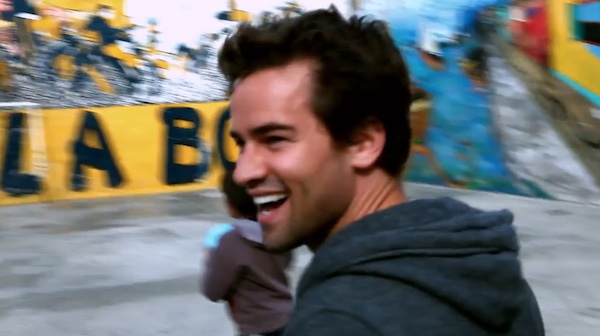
[367,145]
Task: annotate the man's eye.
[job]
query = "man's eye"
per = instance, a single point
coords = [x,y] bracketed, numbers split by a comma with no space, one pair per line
[274,139]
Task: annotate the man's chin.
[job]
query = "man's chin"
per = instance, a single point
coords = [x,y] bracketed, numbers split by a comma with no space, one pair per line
[278,246]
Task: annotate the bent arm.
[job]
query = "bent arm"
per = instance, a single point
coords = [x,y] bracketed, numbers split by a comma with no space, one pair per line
[222,269]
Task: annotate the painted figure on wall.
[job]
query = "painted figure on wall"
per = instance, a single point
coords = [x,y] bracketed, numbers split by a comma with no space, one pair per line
[419,114]
[528,27]
[475,67]
[430,50]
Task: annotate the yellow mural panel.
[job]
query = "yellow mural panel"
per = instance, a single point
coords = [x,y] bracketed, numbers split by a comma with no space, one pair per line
[570,57]
[138,140]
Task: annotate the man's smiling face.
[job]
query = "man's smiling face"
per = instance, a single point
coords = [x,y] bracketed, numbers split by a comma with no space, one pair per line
[299,177]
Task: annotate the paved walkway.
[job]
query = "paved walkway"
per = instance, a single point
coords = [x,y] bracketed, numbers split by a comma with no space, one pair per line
[131,266]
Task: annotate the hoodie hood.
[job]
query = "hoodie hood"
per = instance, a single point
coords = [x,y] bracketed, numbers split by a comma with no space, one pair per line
[461,255]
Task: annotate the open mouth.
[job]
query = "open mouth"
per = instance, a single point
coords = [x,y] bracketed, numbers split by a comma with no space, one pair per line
[268,204]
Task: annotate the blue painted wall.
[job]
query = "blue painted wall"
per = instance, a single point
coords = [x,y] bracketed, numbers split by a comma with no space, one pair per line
[461,131]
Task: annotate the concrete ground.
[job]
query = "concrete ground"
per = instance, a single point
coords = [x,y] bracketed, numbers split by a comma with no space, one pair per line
[130,266]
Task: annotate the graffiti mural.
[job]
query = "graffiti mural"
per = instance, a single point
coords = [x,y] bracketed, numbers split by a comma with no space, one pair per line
[458,139]
[555,46]
[453,143]
[71,53]
[575,51]
[102,79]
[74,53]
[562,37]
[112,151]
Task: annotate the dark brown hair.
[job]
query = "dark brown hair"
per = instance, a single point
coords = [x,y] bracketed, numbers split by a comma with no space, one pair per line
[237,196]
[360,76]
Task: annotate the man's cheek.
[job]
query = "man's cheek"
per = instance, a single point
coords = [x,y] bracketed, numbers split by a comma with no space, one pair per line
[293,167]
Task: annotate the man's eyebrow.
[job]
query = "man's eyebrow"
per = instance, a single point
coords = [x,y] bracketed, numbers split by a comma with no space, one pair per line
[264,129]
[271,127]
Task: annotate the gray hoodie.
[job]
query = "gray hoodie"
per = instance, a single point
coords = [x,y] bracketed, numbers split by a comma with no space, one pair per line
[252,280]
[435,267]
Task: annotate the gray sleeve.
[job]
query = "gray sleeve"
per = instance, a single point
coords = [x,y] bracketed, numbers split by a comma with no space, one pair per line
[222,268]
[327,322]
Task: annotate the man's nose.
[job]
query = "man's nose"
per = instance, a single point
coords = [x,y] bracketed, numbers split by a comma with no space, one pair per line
[250,169]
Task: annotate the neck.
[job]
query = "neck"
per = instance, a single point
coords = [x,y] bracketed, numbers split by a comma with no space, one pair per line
[371,195]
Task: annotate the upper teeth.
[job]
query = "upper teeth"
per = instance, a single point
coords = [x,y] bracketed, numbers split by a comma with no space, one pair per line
[260,200]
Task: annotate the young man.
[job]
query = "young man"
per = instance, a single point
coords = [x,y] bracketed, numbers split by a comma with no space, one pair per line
[320,112]
[242,272]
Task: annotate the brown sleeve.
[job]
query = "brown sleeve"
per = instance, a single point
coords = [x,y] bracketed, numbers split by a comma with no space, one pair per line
[223,267]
